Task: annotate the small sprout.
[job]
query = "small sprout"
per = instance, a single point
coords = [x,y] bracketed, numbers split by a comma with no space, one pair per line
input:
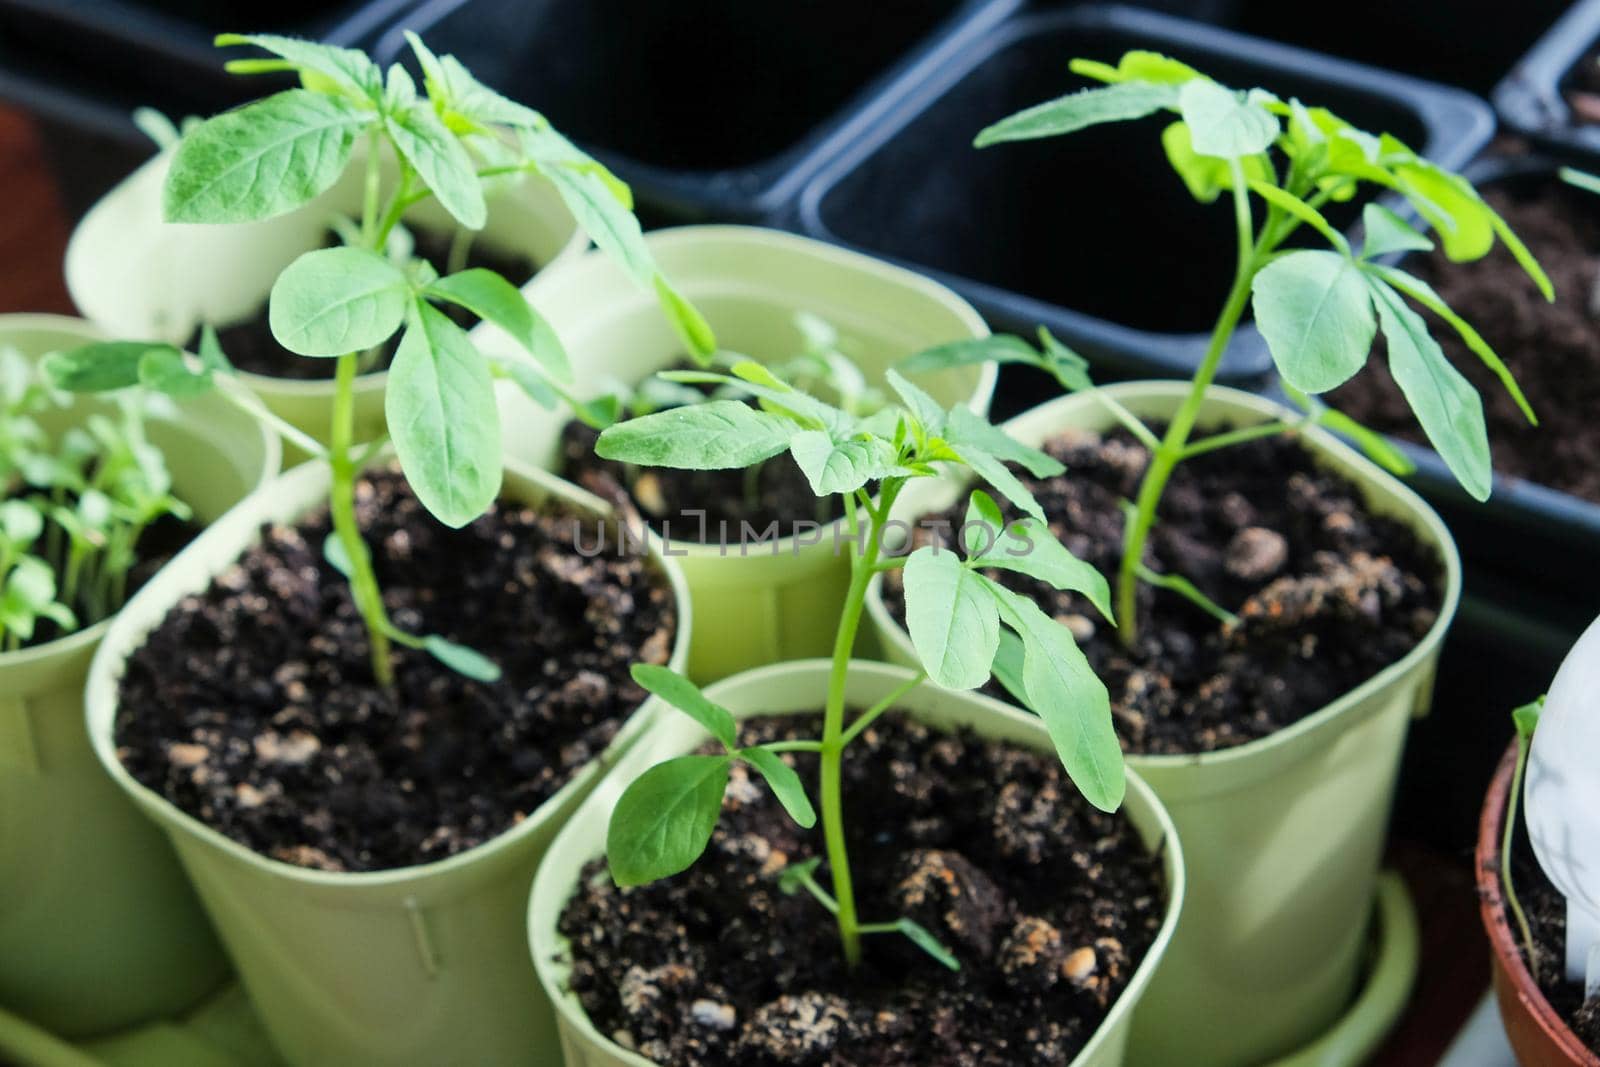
[664,820]
[1319,309]
[1526,721]
[454,140]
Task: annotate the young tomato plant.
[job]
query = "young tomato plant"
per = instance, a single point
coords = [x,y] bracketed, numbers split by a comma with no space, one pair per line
[665,819]
[75,507]
[452,142]
[1281,162]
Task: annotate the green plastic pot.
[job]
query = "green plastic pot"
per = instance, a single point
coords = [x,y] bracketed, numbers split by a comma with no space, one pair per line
[139,277]
[98,927]
[419,964]
[799,687]
[1283,834]
[777,600]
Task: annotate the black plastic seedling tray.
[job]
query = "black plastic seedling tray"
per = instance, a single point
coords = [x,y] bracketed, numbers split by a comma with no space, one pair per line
[1093,235]
[1531,100]
[709,108]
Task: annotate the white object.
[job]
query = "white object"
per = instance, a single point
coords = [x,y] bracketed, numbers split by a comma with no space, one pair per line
[1563,800]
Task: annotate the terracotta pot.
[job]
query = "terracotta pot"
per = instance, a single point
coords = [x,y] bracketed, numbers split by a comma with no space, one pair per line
[1539,1036]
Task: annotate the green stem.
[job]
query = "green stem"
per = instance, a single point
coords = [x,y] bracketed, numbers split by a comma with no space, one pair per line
[1512,902]
[834,740]
[868,717]
[1238,437]
[342,507]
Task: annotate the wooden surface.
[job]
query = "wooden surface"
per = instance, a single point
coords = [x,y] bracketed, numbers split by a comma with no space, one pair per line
[1455,972]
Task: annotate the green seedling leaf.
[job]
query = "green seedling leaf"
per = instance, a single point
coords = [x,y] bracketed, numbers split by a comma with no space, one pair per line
[691,326]
[785,783]
[443,419]
[664,820]
[212,357]
[467,662]
[263,159]
[833,466]
[1068,368]
[924,408]
[684,695]
[493,299]
[1454,209]
[1387,232]
[463,102]
[166,370]
[335,301]
[984,525]
[1448,408]
[341,69]
[1140,66]
[968,428]
[440,161]
[1424,294]
[718,435]
[794,877]
[999,348]
[1520,253]
[333,551]
[991,470]
[1206,177]
[1373,445]
[1526,718]
[1029,547]
[98,367]
[1315,311]
[954,625]
[1080,110]
[1223,123]
[1302,211]
[1009,662]
[1064,692]
[919,936]
[21,523]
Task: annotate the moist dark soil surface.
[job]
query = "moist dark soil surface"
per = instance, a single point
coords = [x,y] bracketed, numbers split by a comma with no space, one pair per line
[776,492]
[1547,920]
[250,346]
[1326,593]
[1048,904]
[1552,349]
[252,706]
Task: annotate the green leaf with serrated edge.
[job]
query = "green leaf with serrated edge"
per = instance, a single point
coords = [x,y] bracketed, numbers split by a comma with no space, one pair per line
[785,783]
[1222,123]
[953,621]
[1065,693]
[333,551]
[684,695]
[1315,312]
[467,662]
[1028,547]
[1137,65]
[1372,444]
[998,348]
[1387,232]
[717,435]
[984,525]
[452,88]
[793,878]
[833,466]
[1206,177]
[1304,212]
[599,413]
[968,428]
[335,301]
[165,370]
[1424,294]
[924,408]
[98,367]
[348,68]
[919,936]
[263,159]
[443,420]
[991,470]
[493,299]
[1447,407]
[1080,110]
[441,162]
[664,820]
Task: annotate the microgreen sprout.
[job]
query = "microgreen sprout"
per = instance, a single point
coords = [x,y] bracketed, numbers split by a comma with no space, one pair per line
[75,506]
[1282,162]
[457,141]
[1526,720]
[665,819]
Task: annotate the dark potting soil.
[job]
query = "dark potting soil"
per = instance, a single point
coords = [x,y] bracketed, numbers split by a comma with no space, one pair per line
[1327,594]
[250,346]
[1048,904]
[776,492]
[1553,349]
[1547,920]
[252,706]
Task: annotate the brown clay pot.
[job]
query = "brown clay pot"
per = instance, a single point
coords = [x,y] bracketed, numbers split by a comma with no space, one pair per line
[1538,1036]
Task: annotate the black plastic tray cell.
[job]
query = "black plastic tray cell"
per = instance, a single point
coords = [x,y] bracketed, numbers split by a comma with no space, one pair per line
[1470,43]
[711,108]
[161,51]
[1093,235]
[1533,98]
